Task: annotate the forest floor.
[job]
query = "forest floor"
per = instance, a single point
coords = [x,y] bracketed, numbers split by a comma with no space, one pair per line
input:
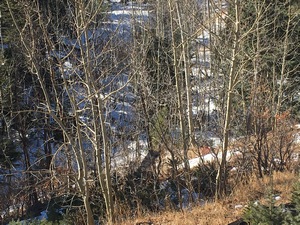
[230,208]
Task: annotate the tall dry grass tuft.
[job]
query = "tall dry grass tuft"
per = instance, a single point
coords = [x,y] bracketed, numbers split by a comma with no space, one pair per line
[257,189]
[227,209]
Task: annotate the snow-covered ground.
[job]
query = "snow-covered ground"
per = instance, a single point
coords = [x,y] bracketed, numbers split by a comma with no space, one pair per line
[210,157]
[123,18]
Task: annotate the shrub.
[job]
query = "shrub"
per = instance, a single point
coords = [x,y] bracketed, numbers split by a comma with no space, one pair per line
[289,214]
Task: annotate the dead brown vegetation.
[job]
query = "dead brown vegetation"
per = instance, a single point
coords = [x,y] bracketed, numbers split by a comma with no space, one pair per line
[228,209]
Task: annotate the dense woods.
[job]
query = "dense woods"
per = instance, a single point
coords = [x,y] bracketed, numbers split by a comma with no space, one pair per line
[105,105]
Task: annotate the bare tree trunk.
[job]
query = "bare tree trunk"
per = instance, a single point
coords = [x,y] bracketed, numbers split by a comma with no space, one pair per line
[178,88]
[283,73]
[47,143]
[107,151]
[233,76]
[186,66]
[179,50]
[99,127]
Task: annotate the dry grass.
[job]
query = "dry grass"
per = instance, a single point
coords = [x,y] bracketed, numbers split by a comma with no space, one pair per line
[211,213]
[225,211]
[257,189]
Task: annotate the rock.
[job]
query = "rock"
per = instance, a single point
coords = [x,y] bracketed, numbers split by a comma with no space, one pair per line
[238,222]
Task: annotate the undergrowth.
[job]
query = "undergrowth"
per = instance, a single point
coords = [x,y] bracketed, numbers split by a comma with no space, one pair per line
[228,209]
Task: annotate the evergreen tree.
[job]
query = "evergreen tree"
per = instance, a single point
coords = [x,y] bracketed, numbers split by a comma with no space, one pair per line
[293,215]
[258,214]
[288,214]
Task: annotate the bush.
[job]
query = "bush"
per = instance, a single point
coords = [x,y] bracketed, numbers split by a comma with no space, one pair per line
[258,214]
[293,216]
[205,182]
[289,214]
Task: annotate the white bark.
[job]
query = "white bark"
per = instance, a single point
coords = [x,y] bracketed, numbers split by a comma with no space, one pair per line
[186,67]
[233,78]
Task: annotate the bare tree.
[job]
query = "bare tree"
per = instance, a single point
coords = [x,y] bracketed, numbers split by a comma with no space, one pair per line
[79,66]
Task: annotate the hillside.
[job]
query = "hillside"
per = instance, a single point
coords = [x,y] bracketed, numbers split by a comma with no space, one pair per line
[177,110]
